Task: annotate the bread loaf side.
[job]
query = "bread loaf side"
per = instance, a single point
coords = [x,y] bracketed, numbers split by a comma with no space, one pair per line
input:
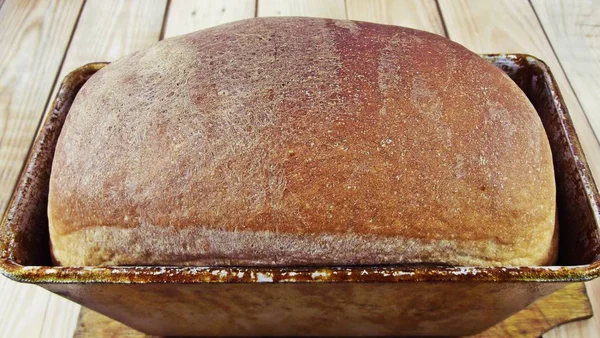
[301,141]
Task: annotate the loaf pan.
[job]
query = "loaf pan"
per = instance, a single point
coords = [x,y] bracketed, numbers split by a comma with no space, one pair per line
[329,300]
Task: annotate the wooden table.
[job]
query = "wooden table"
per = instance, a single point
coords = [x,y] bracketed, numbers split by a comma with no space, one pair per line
[41,41]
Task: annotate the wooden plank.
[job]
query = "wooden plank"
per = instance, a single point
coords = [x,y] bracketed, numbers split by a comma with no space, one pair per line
[33,39]
[60,319]
[584,328]
[504,26]
[417,14]
[93,324]
[564,305]
[185,16]
[111,29]
[334,9]
[572,28]
[22,309]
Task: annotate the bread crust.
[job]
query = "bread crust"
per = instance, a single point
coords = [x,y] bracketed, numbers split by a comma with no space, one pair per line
[282,141]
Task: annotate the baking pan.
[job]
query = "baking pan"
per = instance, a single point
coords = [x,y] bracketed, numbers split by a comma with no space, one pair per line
[329,300]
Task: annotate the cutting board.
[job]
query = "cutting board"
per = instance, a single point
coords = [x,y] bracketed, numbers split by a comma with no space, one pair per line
[566,305]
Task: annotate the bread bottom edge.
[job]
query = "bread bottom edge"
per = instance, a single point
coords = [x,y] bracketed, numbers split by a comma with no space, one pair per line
[201,246]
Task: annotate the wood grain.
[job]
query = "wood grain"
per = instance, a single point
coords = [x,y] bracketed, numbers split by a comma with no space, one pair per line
[573,28]
[111,29]
[93,324]
[185,16]
[316,8]
[22,309]
[417,14]
[570,303]
[60,319]
[504,26]
[584,328]
[33,38]
[131,25]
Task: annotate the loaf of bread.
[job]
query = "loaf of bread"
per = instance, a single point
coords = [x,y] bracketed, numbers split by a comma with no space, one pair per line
[301,141]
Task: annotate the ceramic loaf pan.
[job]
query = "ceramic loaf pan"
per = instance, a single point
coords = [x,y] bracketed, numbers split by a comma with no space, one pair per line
[330,300]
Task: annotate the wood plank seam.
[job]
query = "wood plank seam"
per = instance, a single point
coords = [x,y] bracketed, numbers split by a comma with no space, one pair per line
[53,28]
[437,5]
[47,306]
[165,21]
[346,9]
[56,81]
[587,119]
[54,84]
[30,119]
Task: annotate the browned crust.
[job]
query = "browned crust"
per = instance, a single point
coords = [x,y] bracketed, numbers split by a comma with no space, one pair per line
[291,130]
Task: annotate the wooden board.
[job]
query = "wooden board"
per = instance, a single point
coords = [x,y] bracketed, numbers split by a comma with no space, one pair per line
[492,26]
[33,39]
[316,8]
[568,304]
[185,16]
[572,29]
[582,328]
[417,14]
[110,29]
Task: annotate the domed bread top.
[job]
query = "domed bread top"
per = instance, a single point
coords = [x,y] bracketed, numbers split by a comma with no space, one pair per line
[301,141]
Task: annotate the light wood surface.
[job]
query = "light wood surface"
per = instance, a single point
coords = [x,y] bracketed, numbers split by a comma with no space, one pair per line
[35,37]
[110,29]
[573,28]
[488,26]
[334,9]
[60,318]
[186,16]
[417,14]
